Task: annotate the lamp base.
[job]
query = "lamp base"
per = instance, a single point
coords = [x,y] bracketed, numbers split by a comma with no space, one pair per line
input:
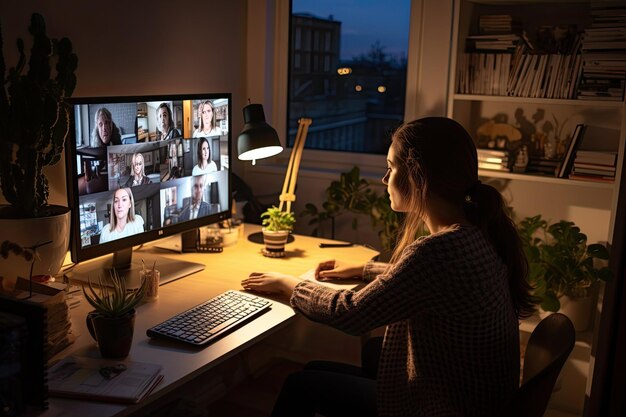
[258,238]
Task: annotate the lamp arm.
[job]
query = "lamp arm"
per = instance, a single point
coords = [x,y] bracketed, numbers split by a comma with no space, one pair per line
[289,186]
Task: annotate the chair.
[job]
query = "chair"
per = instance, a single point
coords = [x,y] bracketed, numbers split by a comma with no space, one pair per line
[548,347]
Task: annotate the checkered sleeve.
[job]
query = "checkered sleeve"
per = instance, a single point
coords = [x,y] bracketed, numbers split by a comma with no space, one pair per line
[394,295]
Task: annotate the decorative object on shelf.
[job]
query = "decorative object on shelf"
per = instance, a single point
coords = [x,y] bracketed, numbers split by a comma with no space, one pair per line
[152,278]
[277,224]
[112,322]
[34,125]
[353,194]
[562,266]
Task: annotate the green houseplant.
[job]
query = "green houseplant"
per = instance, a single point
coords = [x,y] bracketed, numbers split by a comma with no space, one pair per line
[277,224]
[112,322]
[561,262]
[34,123]
[354,195]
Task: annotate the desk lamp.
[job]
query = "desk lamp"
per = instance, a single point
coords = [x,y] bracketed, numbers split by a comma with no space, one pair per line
[259,140]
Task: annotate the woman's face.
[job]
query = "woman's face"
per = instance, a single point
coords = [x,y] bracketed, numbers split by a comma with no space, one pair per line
[207,116]
[121,204]
[163,121]
[138,165]
[204,150]
[391,180]
[104,129]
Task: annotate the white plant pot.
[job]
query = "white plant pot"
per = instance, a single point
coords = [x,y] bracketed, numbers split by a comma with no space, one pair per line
[275,242]
[29,232]
[579,310]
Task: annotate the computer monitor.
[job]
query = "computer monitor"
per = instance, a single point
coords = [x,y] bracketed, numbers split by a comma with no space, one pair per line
[141,169]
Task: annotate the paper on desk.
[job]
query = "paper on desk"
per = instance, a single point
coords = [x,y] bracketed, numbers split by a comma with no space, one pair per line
[80,377]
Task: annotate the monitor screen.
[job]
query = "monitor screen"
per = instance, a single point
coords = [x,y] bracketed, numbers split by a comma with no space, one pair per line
[143,168]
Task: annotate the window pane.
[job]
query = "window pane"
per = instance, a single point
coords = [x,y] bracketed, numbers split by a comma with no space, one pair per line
[347,72]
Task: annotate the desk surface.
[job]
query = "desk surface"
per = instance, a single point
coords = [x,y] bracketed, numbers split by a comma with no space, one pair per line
[223,271]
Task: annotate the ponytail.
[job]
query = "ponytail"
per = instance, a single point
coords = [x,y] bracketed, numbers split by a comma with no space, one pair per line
[485,208]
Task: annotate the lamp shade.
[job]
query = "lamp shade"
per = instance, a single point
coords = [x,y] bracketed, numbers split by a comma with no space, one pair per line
[257,140]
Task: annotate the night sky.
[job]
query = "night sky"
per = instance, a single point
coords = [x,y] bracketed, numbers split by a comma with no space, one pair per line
[363,22]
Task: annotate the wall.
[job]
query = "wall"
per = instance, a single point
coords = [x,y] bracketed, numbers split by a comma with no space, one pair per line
[141,47]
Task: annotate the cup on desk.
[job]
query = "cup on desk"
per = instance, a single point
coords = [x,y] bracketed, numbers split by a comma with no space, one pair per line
[114,335]
[153,277]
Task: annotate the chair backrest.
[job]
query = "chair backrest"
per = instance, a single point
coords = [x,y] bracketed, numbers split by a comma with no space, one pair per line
[548,347]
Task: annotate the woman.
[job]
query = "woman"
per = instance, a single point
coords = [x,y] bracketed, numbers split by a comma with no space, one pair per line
[165,123]
[205,164]
[206,116]
[124,221]
[138,176]
[105,132]
[450,301]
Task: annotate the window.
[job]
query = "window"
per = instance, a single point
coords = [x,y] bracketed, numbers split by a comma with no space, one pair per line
[347,71]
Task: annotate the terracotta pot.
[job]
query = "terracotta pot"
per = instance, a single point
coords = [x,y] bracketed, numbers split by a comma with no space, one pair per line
[28,232]
[114,335]
[275,242]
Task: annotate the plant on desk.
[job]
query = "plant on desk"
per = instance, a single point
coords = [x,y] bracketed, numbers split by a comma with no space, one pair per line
[277,225]
[112,322]
[562,267]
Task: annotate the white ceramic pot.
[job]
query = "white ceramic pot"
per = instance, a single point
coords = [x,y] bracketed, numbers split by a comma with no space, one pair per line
[275,242]
[579,310]
[29,232]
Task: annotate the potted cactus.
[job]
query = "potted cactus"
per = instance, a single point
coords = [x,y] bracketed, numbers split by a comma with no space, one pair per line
[112,322]
[277,225]
[34,123]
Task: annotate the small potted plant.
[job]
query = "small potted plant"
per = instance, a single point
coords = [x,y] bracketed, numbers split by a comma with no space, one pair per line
[562,267]
[277,225]
[112,322]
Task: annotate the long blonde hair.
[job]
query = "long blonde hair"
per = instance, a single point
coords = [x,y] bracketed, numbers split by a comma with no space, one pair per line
[131,209]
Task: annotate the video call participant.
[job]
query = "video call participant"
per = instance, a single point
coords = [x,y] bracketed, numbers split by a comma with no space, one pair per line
[172,169]
[105,132]
[205,164]
[165,123]
[123,220]
[197,207]
[138,173]
[206,117]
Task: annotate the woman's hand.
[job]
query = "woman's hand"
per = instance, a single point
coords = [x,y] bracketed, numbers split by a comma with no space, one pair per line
[333,269]
[271,283]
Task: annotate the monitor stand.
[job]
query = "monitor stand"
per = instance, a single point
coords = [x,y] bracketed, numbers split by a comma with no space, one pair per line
[128,266]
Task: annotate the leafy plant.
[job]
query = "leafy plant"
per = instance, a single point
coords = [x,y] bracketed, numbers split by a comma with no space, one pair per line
[353,194]
[274,219]
[114,299]
[561,262]
[34,118]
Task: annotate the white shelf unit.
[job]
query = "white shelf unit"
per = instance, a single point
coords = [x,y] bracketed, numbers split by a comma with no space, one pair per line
[591,205]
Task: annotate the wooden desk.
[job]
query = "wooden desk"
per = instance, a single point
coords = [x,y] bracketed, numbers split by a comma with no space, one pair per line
[223,271]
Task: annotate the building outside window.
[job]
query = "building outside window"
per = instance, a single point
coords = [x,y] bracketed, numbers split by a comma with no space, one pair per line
[347,72]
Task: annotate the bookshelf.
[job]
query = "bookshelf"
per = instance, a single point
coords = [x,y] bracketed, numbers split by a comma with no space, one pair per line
[590,204]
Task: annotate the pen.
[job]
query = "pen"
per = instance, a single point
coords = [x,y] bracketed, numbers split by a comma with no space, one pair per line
[335,245]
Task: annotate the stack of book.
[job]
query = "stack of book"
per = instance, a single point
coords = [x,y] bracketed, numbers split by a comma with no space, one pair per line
[543,166]
[493,159]
[604,54]
[594,166]
[497,23]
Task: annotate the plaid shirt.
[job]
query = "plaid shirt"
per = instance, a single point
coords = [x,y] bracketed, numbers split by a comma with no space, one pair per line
[451,345]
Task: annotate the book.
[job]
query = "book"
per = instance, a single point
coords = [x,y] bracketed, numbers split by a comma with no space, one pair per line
[568,159]
[594,157]
[103,379]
